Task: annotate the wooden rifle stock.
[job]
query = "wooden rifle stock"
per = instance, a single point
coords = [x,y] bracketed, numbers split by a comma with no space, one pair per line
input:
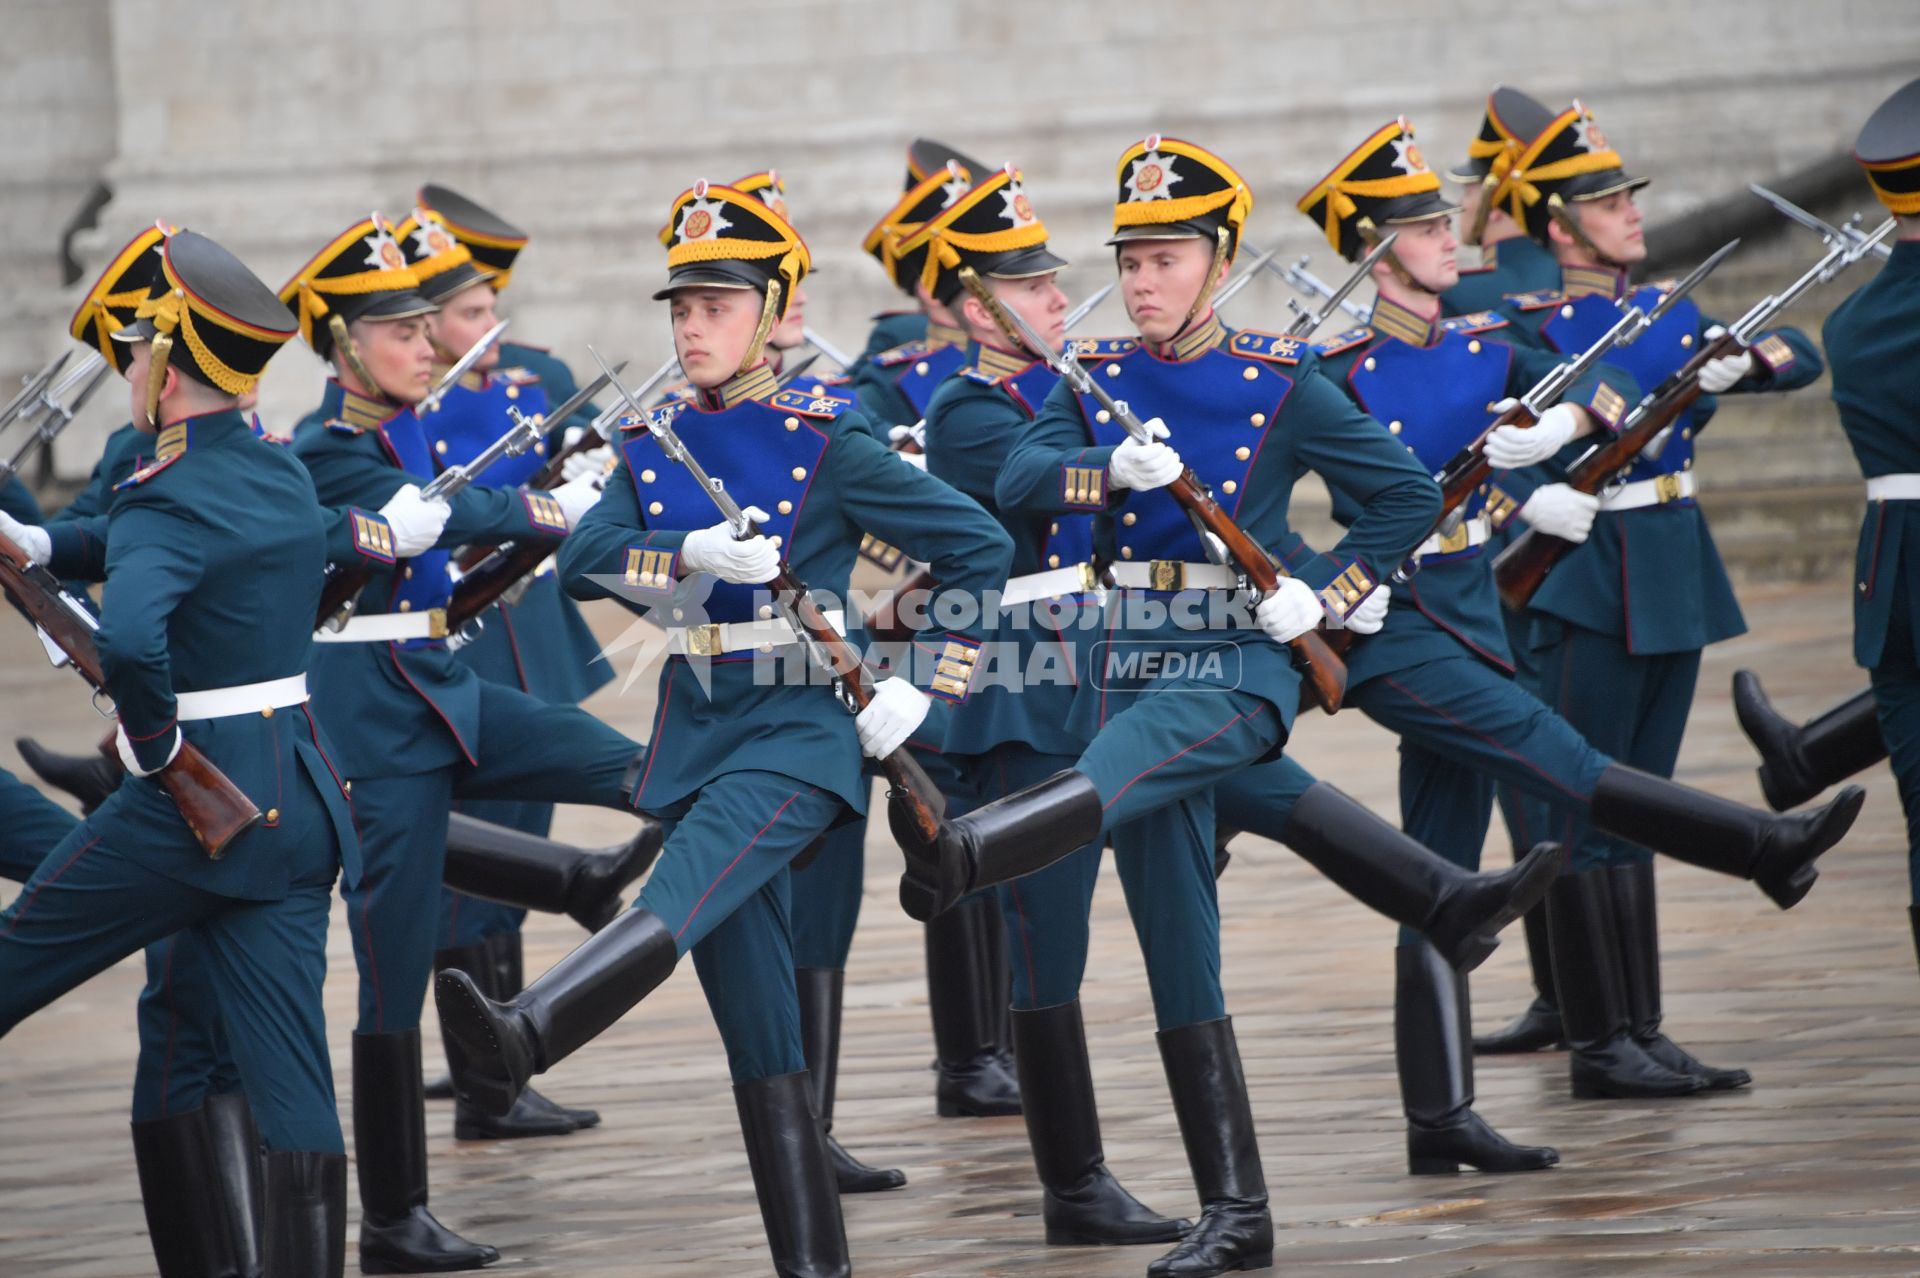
[1469,468]
[497,572]
[214,808]
[1522,567]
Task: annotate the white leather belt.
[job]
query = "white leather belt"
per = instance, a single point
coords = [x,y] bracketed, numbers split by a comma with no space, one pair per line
[1174,574]
[1471,532]
[1657,491]
[1894,488]
[1074,579]
[387,627]
[245,698]
[717,637]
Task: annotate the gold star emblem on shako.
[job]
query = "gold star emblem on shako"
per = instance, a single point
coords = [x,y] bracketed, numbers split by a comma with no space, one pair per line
[702,218]
[1586,132]
[1152,177]
[954,187]
[1019,209]
[383,253]
[1406,152]
[430,239]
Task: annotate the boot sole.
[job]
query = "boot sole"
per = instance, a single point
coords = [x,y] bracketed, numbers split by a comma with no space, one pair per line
[1761,723]
[1543,865]
[1069,1238]
[1590,1091]
[1834,824]
[470,1026]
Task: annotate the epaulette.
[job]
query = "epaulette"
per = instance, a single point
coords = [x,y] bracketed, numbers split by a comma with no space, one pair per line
[1276,348]
[819,385]
[1103,347]
[339,427]
[1345,341]
[973,374]
[147,472]
[1478,322]
[825,407]
[517,376]
[664,413]
[903,353]
[1539,299]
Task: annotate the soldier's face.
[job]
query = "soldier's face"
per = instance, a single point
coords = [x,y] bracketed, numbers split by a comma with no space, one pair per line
[1428,251]
[712,328]
[791,331]
[397,354]
[1037,300]
[464,319]
[1613,223]
[1159,280]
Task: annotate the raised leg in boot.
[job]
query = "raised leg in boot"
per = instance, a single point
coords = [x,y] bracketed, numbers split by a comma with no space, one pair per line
[1431,1016]
[820,990]
[1636,920]
[975,1080]
[1000,841]
[1083,1203]
[536,873]
[1604,1059]
[1798,761]
[1235,1229]
[530,1116]
[90,778]
[398,1235]
[506,953]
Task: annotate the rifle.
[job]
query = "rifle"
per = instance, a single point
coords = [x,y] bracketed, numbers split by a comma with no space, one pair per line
[1523,566]
[832,352]
[1085,308]
[488,573]
[1469,468]
[1849,230]
[214,808]
[912,796]
[55,413]
[1307,282]
[31,386]
[450,378]
[1325,674]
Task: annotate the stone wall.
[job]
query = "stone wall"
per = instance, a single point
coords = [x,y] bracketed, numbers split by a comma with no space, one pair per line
[271,125]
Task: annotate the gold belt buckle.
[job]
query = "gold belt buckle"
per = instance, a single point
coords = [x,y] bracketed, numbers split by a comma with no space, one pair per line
[703,641]
[1089,578]
[1166,574]
[437,623]
[1667,487]
[1457,540]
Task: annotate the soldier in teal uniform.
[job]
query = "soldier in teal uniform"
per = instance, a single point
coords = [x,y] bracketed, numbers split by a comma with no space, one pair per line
[181,581]
[909,354]
[1510,262]
[1871,339]
[415,728]
[1615,633]
[751,758]
[539,644]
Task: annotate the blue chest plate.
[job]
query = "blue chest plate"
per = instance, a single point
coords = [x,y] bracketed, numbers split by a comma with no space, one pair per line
[763,455]
[923,376]
[1658,353]
[470,420]
[1433,398]
[1219,408]
[423,582]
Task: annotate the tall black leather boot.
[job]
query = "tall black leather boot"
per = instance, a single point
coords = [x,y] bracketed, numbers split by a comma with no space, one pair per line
[305,1227]
[236,1153]
[1776,852]
[1026,831]
[179,1188]
[507,1043]
[1369,858]
[1913,921]
[89,778]
[1538,1027]
[1082,1204]
[997,990]
[536,873]
[1798,761]
[975,1080]
[1635,918]
[1604,1059]
[787,1150]
[508,955]
[820,990]
[1235,1229]
[532,1114]
[398,1235]
[1431,1017]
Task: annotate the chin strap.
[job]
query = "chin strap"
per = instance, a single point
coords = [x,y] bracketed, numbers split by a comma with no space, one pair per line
[770,312]
[157,375]
[997,311]
[1477,229]
[1371,234]
[1222,242]
[1557,209]
[344,347]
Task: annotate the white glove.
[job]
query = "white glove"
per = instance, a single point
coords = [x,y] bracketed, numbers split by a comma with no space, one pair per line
[744,563]
[1717,376]
[589,462]
[124,748]
[1290,611]
[1561,511]
[890,718]
[915,434]
[916,460]
[1369,616]
[417,521]
[1143,466]
[33,541]
[577,495]
[1510,447]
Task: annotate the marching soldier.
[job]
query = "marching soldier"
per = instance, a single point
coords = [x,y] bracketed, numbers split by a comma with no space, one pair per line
[539,644]
[749,769]
[1615,633]
[180,583]
[414,727]
[1510,262]
[1870,338]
